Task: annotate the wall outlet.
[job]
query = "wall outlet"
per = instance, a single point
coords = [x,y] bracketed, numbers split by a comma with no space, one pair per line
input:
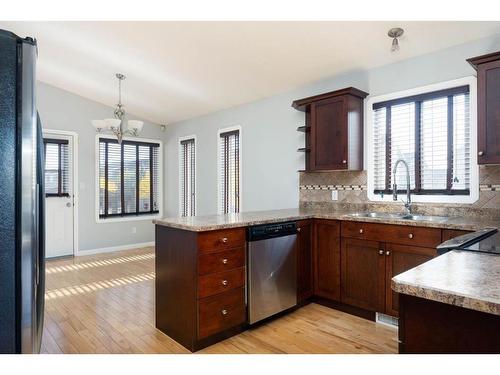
[335,195]
[134,230]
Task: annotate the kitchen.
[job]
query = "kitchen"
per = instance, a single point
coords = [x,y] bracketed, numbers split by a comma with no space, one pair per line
[332,206]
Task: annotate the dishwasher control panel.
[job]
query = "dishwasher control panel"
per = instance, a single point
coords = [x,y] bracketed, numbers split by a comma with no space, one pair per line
[261,232]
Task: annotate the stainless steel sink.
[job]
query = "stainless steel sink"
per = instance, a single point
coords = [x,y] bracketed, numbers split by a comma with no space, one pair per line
[387,215]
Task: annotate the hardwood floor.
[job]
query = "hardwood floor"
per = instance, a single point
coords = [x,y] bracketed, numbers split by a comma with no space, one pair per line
[105,304]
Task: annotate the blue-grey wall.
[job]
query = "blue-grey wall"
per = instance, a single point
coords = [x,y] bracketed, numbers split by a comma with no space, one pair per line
[269,137]
[62,110]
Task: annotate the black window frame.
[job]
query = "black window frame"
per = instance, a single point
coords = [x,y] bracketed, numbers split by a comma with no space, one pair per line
[185,143]
[224,194]
[59,142]
[151,145]
[418,99]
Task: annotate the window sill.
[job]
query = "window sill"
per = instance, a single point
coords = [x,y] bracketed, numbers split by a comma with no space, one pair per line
[128,218]
[431,199]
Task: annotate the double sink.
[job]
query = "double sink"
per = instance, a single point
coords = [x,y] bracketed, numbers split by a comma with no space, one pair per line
[394,216]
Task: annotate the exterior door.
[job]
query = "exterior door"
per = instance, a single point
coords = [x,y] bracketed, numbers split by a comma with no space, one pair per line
[363,274]
[59,216]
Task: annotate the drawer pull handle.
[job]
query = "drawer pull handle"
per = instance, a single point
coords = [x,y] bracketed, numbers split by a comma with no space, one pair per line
[410,235]
[361,231]
[224,240]
[480,153]
[224,282]
[224,261]
[387,253]
[381,252]
[224,312]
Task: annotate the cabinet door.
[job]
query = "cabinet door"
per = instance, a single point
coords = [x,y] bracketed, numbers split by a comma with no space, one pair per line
[304,260]
[488,102]
[399,259]
[329,134]
[363,274]
[327,259]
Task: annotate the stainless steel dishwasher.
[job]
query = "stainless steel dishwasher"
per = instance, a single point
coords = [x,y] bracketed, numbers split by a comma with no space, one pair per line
[272,269]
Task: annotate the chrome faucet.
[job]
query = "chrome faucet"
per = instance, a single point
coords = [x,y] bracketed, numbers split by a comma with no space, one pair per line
[395,186]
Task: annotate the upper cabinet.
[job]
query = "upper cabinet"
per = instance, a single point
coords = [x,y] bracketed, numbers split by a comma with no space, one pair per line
[488,107]
[333,130]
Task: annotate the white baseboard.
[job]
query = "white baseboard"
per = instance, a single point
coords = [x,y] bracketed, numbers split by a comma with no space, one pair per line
[114,248]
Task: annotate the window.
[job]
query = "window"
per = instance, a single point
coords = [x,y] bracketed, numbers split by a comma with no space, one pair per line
[128,178]
[431,131]
[56,167]
[187,177]
[229,171]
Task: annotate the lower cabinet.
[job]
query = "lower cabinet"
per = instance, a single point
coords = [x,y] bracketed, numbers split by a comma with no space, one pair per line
[399,259]
[327,259]
[363,274]
[304,260]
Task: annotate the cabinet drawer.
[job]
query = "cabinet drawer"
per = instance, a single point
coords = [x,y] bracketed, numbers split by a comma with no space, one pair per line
[221,239]
[219,282]
[221,312]
[406,235]
[221,261]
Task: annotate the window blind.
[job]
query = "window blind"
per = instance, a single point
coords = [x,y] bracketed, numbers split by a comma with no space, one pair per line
[229,178]
[431,132]
[128,178]
[187,177]
[56,167]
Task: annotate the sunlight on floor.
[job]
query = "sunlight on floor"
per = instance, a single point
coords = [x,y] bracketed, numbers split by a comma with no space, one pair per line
[98,285]
[97,263]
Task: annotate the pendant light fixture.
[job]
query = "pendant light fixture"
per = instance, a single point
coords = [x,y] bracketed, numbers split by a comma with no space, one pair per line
[395,33]
[116,125]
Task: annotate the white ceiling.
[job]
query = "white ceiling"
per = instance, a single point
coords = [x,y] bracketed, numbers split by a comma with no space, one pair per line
[179,70]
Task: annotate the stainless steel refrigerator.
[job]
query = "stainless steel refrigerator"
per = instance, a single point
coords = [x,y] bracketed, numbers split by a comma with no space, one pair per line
[22,239]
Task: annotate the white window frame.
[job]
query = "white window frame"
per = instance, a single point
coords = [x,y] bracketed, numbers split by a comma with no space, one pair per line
[219,166]
[100,220]
[179,151]
[474,168]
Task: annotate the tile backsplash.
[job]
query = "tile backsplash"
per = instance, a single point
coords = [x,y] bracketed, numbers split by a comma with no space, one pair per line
[316,192]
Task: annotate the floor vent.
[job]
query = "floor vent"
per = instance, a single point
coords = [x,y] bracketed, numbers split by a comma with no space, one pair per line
[387,319]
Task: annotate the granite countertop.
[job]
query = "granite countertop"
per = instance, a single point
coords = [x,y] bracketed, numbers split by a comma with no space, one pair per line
[461,278]
[214,222]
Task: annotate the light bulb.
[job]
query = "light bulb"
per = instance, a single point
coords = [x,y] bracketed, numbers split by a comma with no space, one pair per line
[395,45]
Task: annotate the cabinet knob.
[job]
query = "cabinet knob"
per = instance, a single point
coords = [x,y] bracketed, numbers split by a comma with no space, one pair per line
[224,261]
[381,252]
[224,240]
[344,161]
[361,231]
[299,229]
[224,282]
[387,253]
[480,153]
[410,235]
[224,312]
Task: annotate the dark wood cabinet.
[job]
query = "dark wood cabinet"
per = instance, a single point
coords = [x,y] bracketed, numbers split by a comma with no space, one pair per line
[333,130]
[327,259]
[399,259]
[448,234]
[304,260]
[363,274]
[488,107]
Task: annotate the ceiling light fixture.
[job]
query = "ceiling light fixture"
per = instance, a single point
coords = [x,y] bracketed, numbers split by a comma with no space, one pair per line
[395,33]
[116,125]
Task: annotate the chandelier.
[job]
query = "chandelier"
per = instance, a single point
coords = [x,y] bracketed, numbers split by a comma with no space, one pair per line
[116,125]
